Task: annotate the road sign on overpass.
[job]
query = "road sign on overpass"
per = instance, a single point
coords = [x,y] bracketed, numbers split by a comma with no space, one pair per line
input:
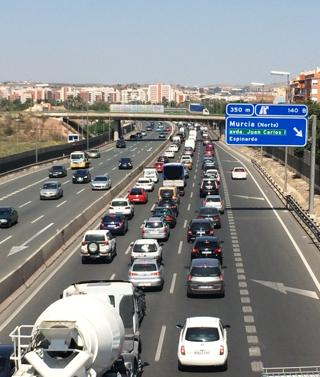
[266,125]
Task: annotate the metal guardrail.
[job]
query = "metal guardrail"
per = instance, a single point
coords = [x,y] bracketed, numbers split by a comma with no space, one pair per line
[292,372]
[292,205]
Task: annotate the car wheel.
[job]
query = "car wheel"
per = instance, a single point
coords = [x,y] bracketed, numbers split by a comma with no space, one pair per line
[189,294]
[180,366]
[83,260]
[224,367]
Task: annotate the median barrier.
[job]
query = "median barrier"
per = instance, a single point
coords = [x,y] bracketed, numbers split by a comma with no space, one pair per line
[38,260]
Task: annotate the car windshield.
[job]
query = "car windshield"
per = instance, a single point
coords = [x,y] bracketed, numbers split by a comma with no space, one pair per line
[93,150]
[153,224]
[144,267]
[208,211]
[202,334]
[239,170]
[143,180]
[4,211]
[101,179]
[94,237]
[76,156]
[81,172]
[146,248]
[125,160]
[205,271]
[135,191]
[49,186]
[161,211]
[166,193]
[119,203]
[206,244]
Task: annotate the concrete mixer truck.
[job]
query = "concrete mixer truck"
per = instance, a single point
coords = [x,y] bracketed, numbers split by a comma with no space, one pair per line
[92,331]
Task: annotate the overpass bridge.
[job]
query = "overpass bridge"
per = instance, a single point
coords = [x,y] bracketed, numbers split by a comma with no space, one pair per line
[209,119]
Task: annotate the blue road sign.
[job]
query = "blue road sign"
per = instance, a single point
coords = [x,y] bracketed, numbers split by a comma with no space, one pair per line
[266,131]
[281,110]
[235,109]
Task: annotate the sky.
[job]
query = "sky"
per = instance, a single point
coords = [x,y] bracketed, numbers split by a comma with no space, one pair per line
[187,42]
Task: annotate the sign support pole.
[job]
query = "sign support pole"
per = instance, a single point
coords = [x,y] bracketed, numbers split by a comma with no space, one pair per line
[285,185]
[312,163]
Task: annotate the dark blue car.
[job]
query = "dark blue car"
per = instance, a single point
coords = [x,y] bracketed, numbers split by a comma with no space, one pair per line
[7,366]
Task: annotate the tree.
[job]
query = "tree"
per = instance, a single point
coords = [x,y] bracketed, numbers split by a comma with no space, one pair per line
[165,101]
[75,103]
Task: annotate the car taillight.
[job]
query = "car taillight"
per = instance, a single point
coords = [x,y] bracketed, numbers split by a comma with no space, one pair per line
[211,231]
[221,277]
[221,350]
[182,350]
[189,232]
[83,243]
[168,218]
[217,250]
[195,250]
[127,207]
[200,217]
[106,242]
[142,231]
[155,273]
[132,273]
[216,217]
[189,277]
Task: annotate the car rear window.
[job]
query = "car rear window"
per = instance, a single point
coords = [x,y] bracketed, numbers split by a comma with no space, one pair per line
[240,170]
[208,211]
[118,203]
[166,193]
[216,200]
[57,168]
[101,179]
[206,244]
[147,248]
[111,219]
[50,186]
[201,225]
[205,271]
[94,237]
[202,334]
[144,267]
[136,191]
[153,224]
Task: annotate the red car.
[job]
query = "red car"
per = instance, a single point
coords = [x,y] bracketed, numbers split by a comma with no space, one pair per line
[159,166]
[209,147]
[208,153]
[138,195]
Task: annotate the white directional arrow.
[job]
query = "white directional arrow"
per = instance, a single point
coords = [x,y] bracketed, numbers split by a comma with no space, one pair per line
[298,132]
[280,287]
[17,249]
[249,197]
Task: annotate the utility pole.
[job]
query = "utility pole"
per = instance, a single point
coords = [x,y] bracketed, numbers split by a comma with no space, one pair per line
[312,162]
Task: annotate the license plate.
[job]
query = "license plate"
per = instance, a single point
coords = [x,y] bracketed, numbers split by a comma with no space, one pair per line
[145,284]
[206,252]
[205,287]
[201,352]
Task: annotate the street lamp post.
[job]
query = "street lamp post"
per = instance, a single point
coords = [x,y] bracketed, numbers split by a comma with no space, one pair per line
[259,84]
[287,74]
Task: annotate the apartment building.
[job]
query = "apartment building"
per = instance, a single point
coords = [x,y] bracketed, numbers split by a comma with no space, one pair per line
[157,91]
[306,86]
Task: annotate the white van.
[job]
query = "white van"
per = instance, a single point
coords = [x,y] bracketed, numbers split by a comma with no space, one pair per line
[190,143]
[150,172]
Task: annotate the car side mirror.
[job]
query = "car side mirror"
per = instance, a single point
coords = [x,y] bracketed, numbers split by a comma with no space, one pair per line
[226,326]
[178,326]
[131,243]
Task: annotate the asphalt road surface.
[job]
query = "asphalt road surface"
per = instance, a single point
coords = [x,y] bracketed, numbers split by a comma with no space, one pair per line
[271,276]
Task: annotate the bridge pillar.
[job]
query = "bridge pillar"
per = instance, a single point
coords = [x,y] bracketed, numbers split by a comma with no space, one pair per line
[117,130]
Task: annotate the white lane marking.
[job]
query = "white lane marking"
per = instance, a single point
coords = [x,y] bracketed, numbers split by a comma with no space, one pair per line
[65,182]
[189,206]
[108,159]
[6,239]
[248,197]
[295,245]
[250,329]
[37,289]
[193,184]
[112,277]
[61,204]
[134,149]
[252,339]
[185,223]
[80,191]
[114,168]
[173,282]
[149,150]
[280,287]
[256,366]
[248,318]
[160,343]
[127,250]
[22,189]
[25,204]
[191,194]
[254,351]
[153,206]
[17,249]
[100,163]
[133,155]
[37,219]
[180,247]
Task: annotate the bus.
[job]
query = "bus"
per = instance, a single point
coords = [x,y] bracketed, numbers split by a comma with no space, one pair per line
[73,137]
[173,175]
[79,160]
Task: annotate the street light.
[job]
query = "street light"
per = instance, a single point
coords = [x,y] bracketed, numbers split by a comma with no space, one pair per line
[260,84]
[287,74]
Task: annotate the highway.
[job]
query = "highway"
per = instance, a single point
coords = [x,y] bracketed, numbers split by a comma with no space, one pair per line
[40,219]
[272,286]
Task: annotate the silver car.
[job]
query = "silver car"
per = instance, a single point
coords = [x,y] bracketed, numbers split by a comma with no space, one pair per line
[51,190]
[146,273]
[156,228]
[93,153]
[101,182]
[205,277]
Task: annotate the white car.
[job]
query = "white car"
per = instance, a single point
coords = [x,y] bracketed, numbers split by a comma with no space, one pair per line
[146,248]
[214,201]
[146,183]
[203,342]
[239,172]
[169,153]
[151,173]
[174,148]
[98,244]
[121,206]
[214,174]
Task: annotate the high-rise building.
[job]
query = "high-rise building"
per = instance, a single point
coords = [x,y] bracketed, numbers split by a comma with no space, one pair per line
[306,86]
[156,92]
